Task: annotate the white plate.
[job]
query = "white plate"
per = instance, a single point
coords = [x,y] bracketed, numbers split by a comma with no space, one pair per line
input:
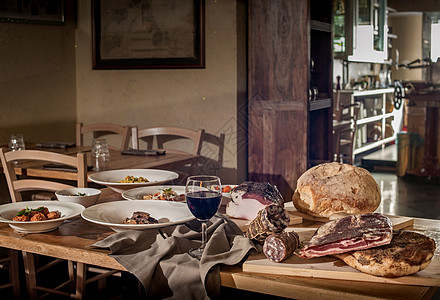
[112,214]
[228,194]
[68,210]
[139,193]
[111,178]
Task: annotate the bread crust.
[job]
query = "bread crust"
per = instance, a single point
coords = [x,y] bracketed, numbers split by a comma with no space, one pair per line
[408,253]
[331,188]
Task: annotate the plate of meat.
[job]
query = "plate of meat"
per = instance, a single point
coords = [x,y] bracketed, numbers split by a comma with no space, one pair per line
[38,216]
[138,214]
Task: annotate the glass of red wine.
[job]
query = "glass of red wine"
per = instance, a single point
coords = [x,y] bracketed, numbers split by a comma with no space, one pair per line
[203,196]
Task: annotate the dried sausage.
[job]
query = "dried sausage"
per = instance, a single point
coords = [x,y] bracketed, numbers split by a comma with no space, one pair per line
[279,246]
[272,218]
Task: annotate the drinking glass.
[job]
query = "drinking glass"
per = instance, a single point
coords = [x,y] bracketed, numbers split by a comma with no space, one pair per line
[100,149]
[100,153]
[16,142]
[203,196]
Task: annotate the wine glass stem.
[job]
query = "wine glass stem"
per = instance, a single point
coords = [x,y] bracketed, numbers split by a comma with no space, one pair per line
[203,236]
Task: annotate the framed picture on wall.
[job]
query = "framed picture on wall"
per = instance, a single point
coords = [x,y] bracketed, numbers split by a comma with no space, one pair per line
[32,12]
[142,34]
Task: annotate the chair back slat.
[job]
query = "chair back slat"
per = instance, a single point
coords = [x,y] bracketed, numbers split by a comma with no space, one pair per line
[100,129]
[173,133]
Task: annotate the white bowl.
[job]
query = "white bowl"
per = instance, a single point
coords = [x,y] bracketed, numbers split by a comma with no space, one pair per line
[68,210]
[111,178]
[74,195]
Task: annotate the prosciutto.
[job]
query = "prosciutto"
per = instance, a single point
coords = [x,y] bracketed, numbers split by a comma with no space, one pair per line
[248,198]
[351,233]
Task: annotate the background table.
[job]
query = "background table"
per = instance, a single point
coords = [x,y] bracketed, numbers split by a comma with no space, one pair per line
[117,161]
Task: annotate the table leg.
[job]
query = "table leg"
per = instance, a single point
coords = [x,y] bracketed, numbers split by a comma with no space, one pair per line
[30,273]
[80,280]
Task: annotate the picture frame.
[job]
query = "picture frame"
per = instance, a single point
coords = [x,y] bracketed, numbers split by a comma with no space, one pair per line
[33,12]
[154,34]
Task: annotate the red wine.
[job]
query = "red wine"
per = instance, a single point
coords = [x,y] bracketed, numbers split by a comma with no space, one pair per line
[203,205]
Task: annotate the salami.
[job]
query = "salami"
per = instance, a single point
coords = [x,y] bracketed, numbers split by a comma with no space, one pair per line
[270,219]
[279,246]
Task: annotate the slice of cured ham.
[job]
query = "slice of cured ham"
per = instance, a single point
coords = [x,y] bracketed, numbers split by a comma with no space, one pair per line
[248,198]
[351,233]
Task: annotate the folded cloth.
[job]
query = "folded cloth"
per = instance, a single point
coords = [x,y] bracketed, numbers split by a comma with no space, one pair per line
[143,152]
[59,145]
[159,257]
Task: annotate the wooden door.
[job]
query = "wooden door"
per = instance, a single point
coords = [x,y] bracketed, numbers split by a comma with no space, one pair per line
[277,84]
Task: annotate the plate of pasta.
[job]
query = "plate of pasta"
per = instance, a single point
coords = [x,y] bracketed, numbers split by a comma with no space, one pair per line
[125,179]
[174,193]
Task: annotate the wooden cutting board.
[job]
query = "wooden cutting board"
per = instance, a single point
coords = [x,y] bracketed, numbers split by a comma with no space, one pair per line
[331,268]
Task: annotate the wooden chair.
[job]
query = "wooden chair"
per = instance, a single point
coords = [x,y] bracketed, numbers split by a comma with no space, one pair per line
[103,129]
[9,261]
[165,138]
[211,161]
[344,138]
[18,185]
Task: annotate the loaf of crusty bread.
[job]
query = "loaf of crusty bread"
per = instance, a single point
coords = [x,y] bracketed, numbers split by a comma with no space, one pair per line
[331,188]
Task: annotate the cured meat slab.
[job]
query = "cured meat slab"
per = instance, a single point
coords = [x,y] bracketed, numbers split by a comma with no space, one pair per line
[353,232]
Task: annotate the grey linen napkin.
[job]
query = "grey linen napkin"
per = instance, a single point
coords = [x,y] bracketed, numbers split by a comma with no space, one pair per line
[159,257]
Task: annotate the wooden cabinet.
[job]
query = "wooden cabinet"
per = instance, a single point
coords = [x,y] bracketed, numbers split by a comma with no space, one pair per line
[286,129]
[321,82]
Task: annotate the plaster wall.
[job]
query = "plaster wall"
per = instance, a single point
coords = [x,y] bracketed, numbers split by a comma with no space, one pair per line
[192,98]
[408,28]
[48,84]
[37,81]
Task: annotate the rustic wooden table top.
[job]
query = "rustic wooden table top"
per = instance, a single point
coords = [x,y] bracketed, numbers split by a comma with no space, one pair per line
[72,241]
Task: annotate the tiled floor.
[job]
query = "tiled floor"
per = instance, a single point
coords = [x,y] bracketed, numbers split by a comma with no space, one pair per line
[409,195]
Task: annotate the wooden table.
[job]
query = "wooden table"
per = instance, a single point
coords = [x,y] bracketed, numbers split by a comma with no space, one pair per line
[72,239]
[117,161]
